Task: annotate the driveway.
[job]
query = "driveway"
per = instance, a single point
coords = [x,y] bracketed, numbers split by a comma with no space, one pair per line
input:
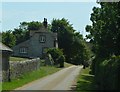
[61,80]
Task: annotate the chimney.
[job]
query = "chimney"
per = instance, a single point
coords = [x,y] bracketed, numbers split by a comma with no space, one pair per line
[45,23]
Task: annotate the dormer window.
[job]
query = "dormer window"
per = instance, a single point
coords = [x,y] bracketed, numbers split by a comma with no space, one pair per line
[42,38]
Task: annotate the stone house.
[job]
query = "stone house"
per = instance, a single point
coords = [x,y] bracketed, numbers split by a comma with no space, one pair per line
[37,43]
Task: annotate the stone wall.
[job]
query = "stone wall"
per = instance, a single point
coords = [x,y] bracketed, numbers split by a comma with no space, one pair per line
[17,68]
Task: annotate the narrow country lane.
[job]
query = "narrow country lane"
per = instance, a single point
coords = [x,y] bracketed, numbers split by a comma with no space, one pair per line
[61,80]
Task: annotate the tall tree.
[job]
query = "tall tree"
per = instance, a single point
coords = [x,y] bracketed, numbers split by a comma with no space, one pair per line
[105,31]
[69,40]
[34,25]
[65,35]
[8,38]
[21,33]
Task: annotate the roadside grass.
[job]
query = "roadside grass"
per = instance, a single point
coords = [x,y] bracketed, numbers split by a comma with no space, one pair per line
[0,86]
[85,81]
[17,59]
[29,77]
[67,64]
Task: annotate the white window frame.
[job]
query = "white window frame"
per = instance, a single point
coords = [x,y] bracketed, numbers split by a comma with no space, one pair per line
[42,38]
[23,50]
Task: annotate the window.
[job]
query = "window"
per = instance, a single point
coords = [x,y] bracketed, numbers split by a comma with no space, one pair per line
[23,50]
[42,38]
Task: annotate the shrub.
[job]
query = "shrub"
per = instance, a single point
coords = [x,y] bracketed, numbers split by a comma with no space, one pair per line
[57,56]
[107,73]
[49,60]
[61,60]
[42,62]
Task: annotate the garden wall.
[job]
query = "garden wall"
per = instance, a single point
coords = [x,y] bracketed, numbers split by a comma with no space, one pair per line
[17,68]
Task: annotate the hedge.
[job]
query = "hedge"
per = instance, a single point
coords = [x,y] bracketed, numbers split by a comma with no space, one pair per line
[57,56]
[107,73]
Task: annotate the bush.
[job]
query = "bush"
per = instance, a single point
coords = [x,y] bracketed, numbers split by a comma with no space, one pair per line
[49,60]
[57,56]
[107,73]
[61,60]
[42,62]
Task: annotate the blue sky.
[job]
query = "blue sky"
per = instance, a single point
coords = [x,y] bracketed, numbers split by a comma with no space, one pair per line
[78,13]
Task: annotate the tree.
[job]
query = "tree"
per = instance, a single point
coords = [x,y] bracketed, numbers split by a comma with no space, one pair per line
[65,35]
[21,35]
[69,40]
[57,56]
[8,38]
[105,31]
[80,50]
[34,25]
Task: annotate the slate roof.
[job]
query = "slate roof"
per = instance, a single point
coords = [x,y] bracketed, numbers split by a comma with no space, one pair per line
[4,47]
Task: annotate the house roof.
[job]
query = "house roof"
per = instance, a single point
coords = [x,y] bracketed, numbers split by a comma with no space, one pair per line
[4,47]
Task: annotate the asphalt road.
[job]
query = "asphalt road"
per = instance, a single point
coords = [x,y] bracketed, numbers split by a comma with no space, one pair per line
[61,80]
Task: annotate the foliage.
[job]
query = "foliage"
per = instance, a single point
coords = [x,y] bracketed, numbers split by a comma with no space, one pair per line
[57,56]
[81,51]
[61,60]
[107,73]
[65,34]
[8,38]
[21,35]
[70,41]
[42,62]
[105,35]
[48,59]
[105,31]
[34,25]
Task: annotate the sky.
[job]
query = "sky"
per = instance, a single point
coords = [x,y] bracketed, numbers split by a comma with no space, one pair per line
[77,13]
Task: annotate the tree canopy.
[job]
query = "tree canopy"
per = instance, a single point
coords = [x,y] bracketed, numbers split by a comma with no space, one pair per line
[105,31]
[8,38]
[70,41]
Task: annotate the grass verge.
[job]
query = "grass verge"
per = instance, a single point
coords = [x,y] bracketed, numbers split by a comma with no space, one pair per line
[85,81]
[29,77]
[17,59]
[0,86]
[67,64]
